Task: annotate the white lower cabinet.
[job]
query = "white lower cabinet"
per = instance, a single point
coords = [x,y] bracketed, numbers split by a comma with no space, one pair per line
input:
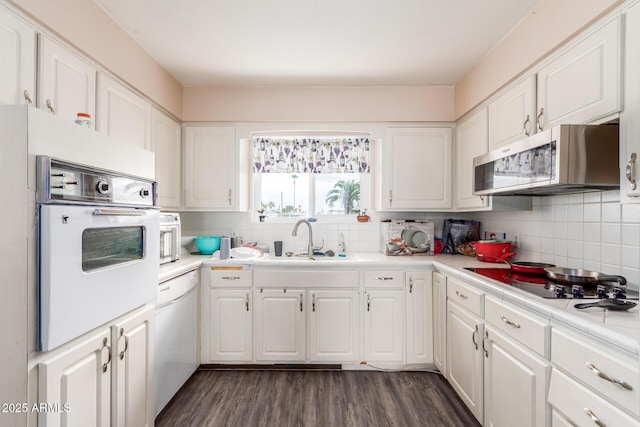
[104,379]
[280,325]
[592,382]
[383,325]
[465,357]
[227,315]
[419,320]
[334,325]
[132,397]
[79,380]
[580,406]
[440,322]
[230,326]
[515,383]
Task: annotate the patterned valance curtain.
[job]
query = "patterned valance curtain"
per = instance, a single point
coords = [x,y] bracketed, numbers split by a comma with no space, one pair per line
[311,155]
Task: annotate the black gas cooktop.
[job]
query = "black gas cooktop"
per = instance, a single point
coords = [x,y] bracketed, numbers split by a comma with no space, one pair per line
[543,287]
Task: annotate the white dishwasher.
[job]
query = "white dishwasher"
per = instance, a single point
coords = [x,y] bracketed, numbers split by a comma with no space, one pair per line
[176,342]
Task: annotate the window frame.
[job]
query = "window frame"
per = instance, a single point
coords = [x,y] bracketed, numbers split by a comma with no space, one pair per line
[365,200]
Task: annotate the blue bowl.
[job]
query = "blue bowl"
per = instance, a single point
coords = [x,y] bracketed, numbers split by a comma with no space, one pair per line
[208,244]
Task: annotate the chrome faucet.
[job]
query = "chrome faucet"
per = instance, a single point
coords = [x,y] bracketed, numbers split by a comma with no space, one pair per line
[310,247]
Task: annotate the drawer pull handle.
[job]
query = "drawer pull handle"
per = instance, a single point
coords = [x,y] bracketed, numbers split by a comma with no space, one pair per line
[473,337]
[593,417]
[526,126]
[629,171]
[384,278]
[463,296]
[509,322]
[484,344]
[230,277]
[606,377]
[539,119]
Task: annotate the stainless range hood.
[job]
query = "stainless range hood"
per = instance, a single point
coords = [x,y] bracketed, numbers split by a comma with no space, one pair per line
[563,159]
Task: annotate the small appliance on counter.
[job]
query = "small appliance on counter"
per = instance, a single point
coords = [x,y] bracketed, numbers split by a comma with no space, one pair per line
[407,237]
[169,237]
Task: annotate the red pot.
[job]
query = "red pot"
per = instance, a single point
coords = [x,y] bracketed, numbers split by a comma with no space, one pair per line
[494,251]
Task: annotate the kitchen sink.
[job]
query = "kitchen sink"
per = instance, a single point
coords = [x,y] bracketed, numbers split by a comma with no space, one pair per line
[305,257]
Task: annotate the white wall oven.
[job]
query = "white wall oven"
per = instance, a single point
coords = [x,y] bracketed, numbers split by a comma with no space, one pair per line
[98,248]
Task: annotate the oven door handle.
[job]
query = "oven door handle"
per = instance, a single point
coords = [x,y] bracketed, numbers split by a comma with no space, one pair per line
[119,212]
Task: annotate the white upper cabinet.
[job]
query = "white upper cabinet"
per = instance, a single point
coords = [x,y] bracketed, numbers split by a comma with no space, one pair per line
[471,141]
[66,82]
[215,169]
[414,167]
[18,65]
[582,84]
[512,116]
[629,129]
[122,114]
[166,144]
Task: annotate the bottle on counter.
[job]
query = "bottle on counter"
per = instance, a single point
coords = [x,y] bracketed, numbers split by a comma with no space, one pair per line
[225,247]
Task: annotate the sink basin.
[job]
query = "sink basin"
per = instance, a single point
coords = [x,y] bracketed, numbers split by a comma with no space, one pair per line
[305,257]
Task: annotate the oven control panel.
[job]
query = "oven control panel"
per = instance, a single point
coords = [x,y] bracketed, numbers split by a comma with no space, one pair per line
[60,181]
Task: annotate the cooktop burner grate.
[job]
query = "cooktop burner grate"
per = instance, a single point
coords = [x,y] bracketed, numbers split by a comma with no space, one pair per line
[543,287]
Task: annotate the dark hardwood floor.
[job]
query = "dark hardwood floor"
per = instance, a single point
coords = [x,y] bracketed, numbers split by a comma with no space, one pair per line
[315,398]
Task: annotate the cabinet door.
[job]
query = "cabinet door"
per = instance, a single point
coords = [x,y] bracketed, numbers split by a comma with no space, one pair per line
[280,327]
[515,383]
[471,141]
[630,116]
[165,143]
[416,173]
[512,116]
[383,325]
[132,398]
[210,168]
[79,381]
[334,325]
[464,357]
[18,66]
[122,114]
[583,83]
[419,332]
[230,325]
[440,321]
[67,84]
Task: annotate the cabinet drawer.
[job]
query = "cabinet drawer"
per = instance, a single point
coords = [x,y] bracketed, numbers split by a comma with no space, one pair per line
[231,278]
[593,364]
[383,279]
[465,295]
[523,327]
[581,406]
[306,279]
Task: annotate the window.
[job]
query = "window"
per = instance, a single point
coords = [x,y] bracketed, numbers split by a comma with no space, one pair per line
[296,177]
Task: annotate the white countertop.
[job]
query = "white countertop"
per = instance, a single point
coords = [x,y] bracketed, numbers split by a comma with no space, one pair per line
[618,328]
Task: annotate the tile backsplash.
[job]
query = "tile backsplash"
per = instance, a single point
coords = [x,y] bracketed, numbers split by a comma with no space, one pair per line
[593,231]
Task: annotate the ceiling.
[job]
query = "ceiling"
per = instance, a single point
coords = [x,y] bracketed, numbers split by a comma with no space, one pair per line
[317,42]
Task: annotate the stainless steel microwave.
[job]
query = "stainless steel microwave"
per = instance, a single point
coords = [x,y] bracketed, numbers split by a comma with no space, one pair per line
[170,231]
[563,159]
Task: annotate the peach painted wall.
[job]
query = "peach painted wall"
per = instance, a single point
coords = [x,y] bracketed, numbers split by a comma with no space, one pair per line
[548,24]
[335,104]
[87,27]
